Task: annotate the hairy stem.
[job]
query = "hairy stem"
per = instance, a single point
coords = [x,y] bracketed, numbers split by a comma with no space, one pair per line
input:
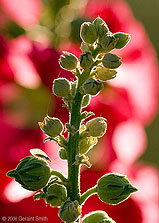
[73,149]
[88,193]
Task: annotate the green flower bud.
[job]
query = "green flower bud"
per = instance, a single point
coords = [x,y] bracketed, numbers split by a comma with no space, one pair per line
[104,74]
[69,211]
[86,60]
[123,39]
[108,43]
[51,126]
[100,26]
[88,32]
[68,61]
[114,188]
[96,127]
[32,173]
[56,194]
[61,87]
[91,86]
[111,61]
[85,47]
[86,100]
[86,144]
[105,41]
[63,154]
[97,217]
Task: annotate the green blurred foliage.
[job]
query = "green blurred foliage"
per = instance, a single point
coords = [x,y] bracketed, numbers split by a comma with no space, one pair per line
[13,30]
[148,13]
[29,107]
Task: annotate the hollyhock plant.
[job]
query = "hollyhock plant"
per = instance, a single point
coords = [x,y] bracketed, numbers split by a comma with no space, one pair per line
[128,102]
[34,173]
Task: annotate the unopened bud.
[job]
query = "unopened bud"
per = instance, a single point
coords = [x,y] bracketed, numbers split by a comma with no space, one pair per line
[32,173]
[63,154]
[86,100]
[56,194]
[123,39]
[85,47]
[61,87]
[114,188]
[86,60]
[88,32]
[104,74]
[96,127]
[101,27]
[105,41]
[86,144]
[69,211]
[51,126]
[91,86]
[97,217]
[111,61]
[68,61]
[108,43]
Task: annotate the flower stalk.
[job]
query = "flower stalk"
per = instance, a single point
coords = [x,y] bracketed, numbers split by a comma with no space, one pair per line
[95,66]
[73,149]
[88,193]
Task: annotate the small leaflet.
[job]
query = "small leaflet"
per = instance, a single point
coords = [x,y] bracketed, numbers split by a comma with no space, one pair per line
[40,153]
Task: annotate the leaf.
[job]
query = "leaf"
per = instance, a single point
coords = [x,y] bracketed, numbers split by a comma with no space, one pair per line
[40,153]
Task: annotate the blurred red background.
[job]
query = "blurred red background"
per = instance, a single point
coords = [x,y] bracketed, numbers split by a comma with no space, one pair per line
[33,35]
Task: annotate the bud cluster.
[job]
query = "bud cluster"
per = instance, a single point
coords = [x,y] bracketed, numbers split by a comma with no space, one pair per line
[97,37]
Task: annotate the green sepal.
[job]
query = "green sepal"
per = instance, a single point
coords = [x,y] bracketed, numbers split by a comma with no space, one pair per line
[85,115]
[39,196]
[123,39]
[39,153]
[48,139]
[86,101]
[83,160]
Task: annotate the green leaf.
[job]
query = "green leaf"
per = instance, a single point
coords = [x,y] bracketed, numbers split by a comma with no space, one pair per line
[39,153]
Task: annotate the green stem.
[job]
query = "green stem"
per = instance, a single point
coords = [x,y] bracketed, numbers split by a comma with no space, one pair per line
[60,175]
[73,149]
[88,193]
